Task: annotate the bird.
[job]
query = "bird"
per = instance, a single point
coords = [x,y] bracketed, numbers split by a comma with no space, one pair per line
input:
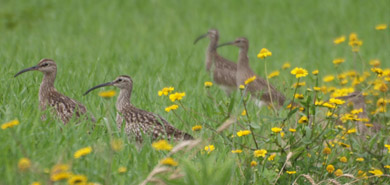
[64,107]
[224,72]
[259,87]
[139,122]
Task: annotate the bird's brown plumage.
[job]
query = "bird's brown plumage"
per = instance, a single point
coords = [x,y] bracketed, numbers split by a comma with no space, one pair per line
[137,122]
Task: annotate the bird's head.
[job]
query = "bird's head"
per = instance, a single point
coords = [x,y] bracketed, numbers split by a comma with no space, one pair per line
[240,42]
[122,82]
[212,34]
[44,66]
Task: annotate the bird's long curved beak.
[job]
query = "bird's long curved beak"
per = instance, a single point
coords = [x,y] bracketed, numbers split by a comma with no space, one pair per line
[98,86]
[225,44]
[25,70]
[200,37]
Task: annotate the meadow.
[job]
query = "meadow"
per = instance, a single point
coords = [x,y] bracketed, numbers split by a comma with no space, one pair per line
[152,41]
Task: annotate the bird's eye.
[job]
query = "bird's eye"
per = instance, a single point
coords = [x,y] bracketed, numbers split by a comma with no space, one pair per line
[45,64]
[119,80]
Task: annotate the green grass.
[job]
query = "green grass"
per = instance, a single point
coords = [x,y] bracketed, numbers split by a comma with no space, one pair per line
[152,41]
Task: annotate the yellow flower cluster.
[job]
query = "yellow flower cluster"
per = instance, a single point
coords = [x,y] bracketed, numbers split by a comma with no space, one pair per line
[264,53]
[243,133]
[82,152]
[9,124]
[177,96]
[169,161]
[209,148]
[107,94]
[354,42]
[299,72]
[250,80]
[172,107]
[197,128]
[260,153]
[162,145]
[165,91]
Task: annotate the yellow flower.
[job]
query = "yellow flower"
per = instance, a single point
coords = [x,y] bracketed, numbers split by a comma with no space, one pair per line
[344,145]
[172,107]
[162,145]
[354,42]
[369,125]
[376,172]
[260,153]
[264,53]
[60,176]
[176,96]
[303,119]
[336,101]
[116,145]
[315,72]
[242,87]
[381,27]
[10,124]
[24,164]
[36,183]
[82,152]
[338,172]
[197,128]
[208,84]
[107,94]
[327,151]
[339,40]
[243,133]
[375,62]
[328,78]
[243,113]
[338,61]
[361,174]
[299,72]
[274,74]
[387,166]
[330,168]
[300,84]
[209,148]
[378,71]
[388,147]
[77,180]
[351,131]
[317,88]
[299,96]
[271,157]
[282,134]
[360,159]
[122,169]
[249,80]
[292,130]
[276,129]
[291,172]
[286,65]
[356,111]
[169,161]
[253,163]
[343,159]
[236,151]
[165,91]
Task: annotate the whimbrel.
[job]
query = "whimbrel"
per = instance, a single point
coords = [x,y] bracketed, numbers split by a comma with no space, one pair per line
[64,107]
[138,121]
[244,72]
[224,73]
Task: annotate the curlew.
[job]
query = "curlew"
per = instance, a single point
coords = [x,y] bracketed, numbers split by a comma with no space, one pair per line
[139,122]
[258,87]
[224,72]
[65,108]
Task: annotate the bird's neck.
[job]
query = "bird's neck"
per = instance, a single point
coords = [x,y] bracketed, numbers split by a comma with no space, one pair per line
[243,60]
[123,99]
[211,52]
[48,82]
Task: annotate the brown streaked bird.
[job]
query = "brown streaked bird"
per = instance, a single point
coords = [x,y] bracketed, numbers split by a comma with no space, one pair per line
[224,72]
[259,86]
[139,122]
[65,108]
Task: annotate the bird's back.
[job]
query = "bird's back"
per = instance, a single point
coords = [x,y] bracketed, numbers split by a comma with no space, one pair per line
[140,122]
[224,73]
